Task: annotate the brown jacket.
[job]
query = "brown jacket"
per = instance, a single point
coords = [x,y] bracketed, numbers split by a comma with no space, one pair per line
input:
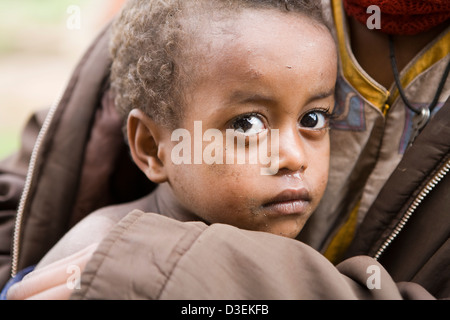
[73,160]
[408,227]
[80,163]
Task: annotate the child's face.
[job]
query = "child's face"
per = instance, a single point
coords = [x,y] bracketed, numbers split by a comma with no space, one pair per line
[277,72]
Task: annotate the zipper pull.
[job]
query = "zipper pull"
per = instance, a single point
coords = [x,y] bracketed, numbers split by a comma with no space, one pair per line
[419,121]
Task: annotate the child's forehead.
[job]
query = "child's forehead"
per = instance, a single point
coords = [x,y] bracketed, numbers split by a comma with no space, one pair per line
[257,46]
[263,37]
[262,70]
[250,21]
[247,32]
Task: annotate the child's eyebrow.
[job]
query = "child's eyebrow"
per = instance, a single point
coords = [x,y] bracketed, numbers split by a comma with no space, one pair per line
[243,97]
[321,95]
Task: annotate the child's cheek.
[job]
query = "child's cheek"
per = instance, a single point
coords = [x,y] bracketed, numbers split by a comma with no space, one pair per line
[318,176]
[241,186]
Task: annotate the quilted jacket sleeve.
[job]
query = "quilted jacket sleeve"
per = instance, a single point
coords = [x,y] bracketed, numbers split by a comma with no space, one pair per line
[149,256]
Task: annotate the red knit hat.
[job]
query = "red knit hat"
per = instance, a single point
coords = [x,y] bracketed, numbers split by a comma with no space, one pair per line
[402,17]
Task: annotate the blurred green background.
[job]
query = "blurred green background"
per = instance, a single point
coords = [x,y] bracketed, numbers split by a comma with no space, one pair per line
[38,50]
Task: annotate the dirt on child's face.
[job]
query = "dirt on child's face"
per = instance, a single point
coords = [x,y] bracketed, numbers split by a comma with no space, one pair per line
[269,82]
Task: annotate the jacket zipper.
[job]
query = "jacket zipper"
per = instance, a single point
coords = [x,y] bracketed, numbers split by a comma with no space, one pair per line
[412,208]
[28,182]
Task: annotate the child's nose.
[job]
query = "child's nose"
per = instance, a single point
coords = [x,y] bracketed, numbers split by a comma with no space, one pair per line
[292,155]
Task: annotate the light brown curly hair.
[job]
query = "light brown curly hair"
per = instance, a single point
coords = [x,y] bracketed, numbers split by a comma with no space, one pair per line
[155,49]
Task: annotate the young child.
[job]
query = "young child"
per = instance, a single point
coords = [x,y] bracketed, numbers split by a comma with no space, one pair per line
[252,70]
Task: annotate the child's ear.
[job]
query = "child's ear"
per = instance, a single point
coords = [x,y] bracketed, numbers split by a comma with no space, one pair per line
[145,140]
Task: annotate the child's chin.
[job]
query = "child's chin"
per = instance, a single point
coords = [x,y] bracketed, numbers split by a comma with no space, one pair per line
[287,232]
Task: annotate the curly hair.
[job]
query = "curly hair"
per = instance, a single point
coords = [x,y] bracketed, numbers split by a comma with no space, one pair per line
[154,53]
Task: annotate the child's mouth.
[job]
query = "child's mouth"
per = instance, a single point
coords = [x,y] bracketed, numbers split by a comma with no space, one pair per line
[290,201]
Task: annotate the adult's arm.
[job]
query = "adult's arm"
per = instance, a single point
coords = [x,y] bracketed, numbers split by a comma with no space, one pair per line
[149,256]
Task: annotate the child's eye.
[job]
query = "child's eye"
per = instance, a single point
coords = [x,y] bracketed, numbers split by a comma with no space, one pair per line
[315,119]
[248,125]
